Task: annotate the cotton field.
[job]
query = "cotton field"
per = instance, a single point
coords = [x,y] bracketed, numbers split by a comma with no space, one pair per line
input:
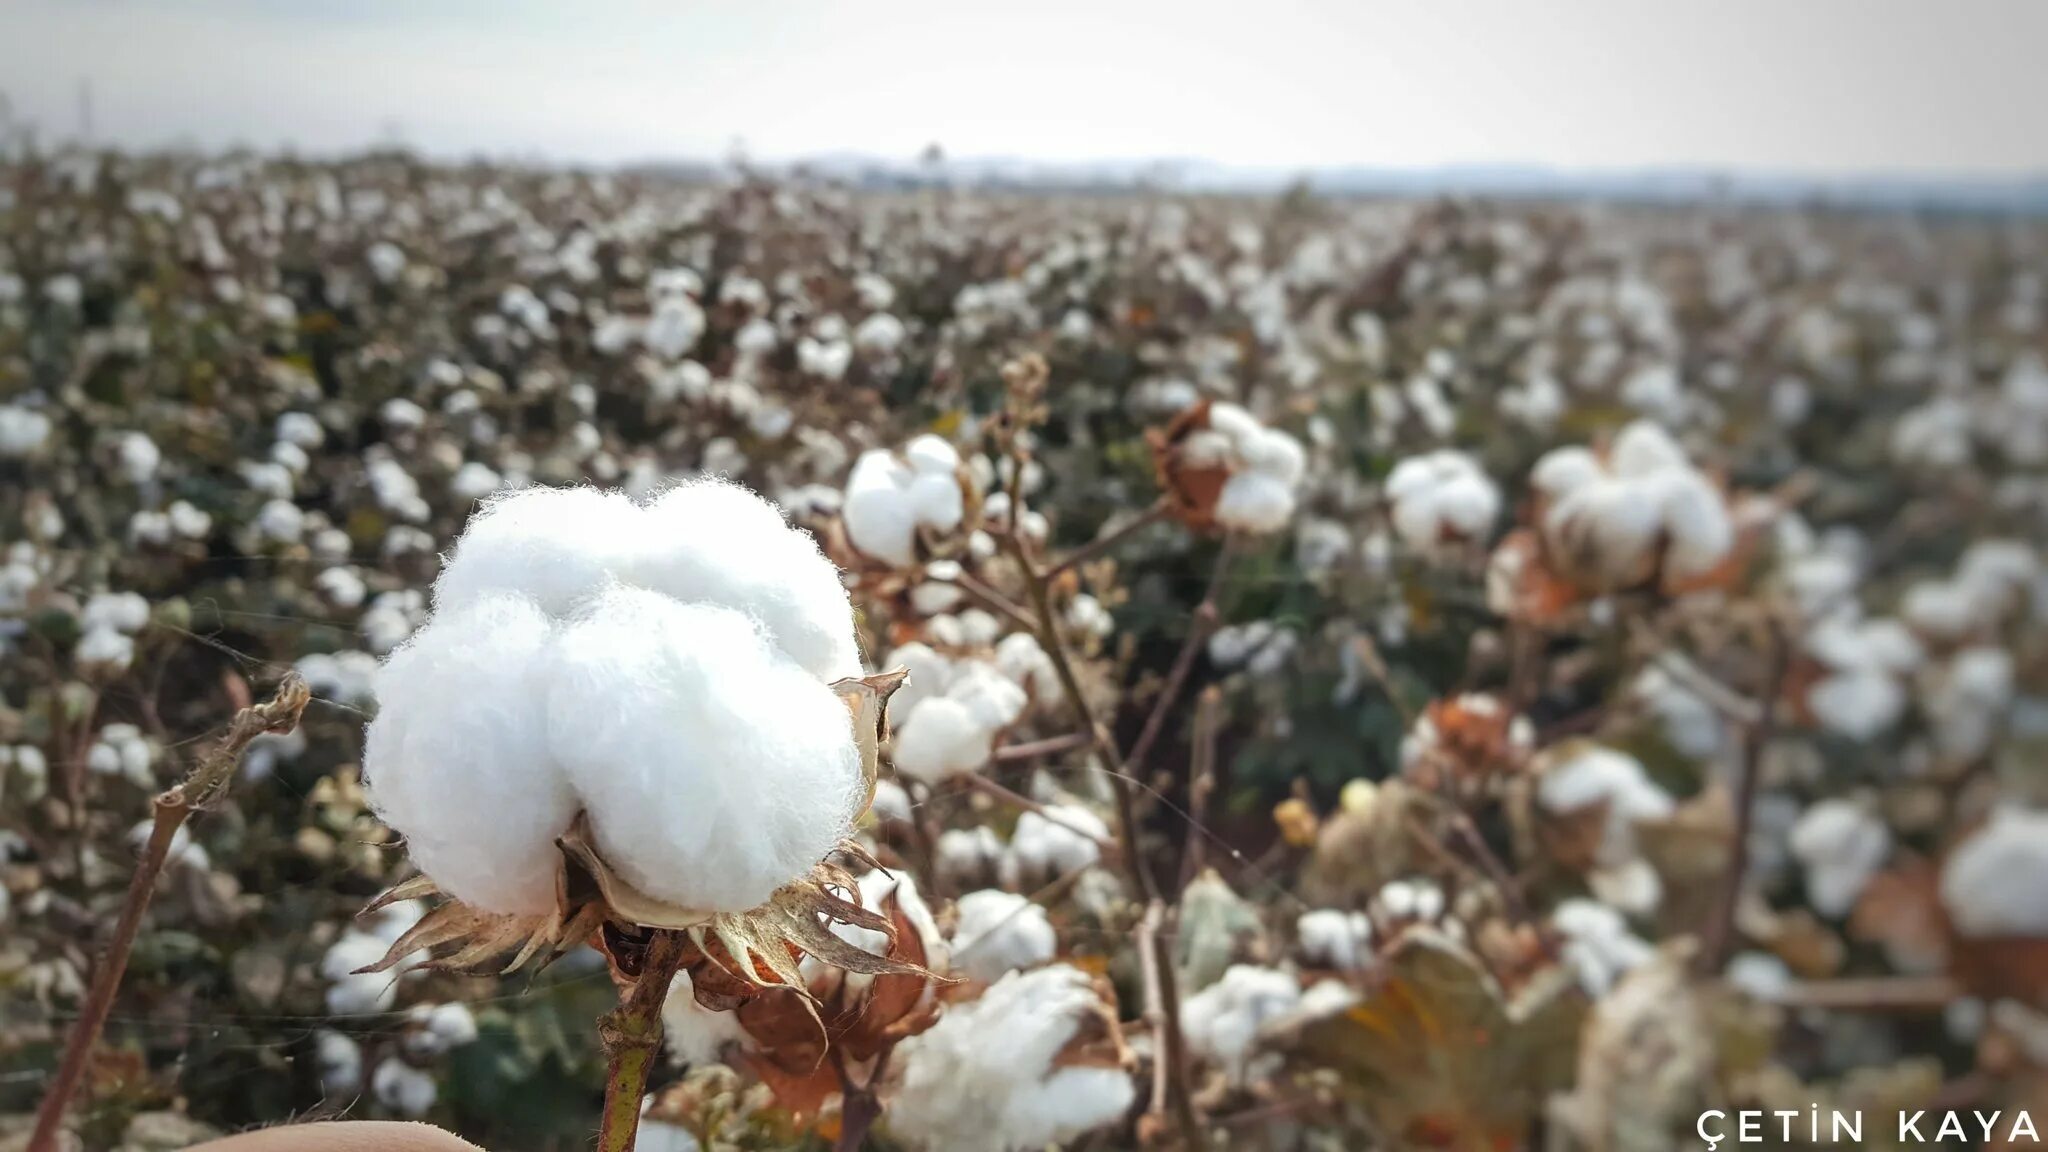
[759,663]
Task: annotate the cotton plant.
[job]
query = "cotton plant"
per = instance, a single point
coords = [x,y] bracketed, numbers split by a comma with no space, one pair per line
[673,693]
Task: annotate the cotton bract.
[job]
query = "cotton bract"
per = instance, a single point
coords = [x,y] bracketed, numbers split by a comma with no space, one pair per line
[664,667]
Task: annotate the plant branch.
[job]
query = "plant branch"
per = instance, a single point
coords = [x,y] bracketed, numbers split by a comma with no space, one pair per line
[1050,746]
[1110,539]
[1719,937]
[203,788]
[1007,795]
[1204,621]
[632,1038]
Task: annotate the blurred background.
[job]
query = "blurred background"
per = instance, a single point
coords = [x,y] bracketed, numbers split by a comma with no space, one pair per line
[1548,499]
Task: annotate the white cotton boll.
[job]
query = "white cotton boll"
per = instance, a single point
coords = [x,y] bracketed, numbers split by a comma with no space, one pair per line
[938,739]
[1044,846]
[1590,774]
[267,478]
[1861,704]
[301,429]
[23,431]
[1234,421]
[1995,883]
[1333,938]
[1222,1022]
[674,328]
[718,542]
[2001,571]
[891,803]
[1206,448]
[1966,702]
[1417,899]
[387,261]
[1598,944]
[1255,502]
[1276,454]
[880,334]
[119,611]
[1607,531]
[937,502]
[995,932]
[1439,497]
[354,993]
[679,724]
[404,1089]
[182,853]
[1842,844]
[149,529]
[343,587]
[825,359]
[1644,448]
[138,456]
[1020,657]
[557,546]
[290,457]
[1562,471]
[1698,531]
[340,1063]
[457,760]
[1759,975]
[967,856]
[1942,610]
[105,650]
[693,1033]
[879,516]
[474,481]
[402,414]
[994,700]
[281,521]
[1086,615]
[932,598]
[453,1025]
[929,674]
[961,1093]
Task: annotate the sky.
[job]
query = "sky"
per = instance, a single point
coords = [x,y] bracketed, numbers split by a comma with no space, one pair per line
[1799,87]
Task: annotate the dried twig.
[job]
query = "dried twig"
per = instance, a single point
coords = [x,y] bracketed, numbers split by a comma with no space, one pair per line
[202,789]
[1201,780]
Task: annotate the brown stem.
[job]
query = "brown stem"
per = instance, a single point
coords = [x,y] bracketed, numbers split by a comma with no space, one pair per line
[1719,937]
[859,1108]
[632,1038]
[1050,746]
[1110,539]
[990,598]
[1201,781]
[1204,621]
[207,783]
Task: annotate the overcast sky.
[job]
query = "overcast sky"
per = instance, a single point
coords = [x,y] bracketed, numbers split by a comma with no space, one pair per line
[1955,87]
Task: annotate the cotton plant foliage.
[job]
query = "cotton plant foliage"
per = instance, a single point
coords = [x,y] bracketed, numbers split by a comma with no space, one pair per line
[666,695]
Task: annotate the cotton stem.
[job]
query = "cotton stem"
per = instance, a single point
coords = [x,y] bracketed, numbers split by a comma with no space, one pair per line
[632,1039]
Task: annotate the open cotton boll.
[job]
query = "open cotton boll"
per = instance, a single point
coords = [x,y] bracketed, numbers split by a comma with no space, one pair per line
[1274,453]
[119,611]
[403,1089]
[1020,657]
[929,673]
[1842,844]
[1584,775]
[354,993]
[1698,531]
[941,737]
[714,541]
[714,767]
[1995,883]
[961,1093]
[1255,502]
[993,699]
[880,519]
[996,932]
[967,857]
[1643,448]
[457,759]
[1562,471]
[1440,497]
[1606,531]
[340,1063]
[695,1034]
[1333,938]
[1861,704]
[1065,838]
[1598,944]
[557,546]
[1222,1022]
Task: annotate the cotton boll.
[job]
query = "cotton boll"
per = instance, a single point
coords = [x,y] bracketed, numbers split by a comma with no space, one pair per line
[1020,657]
[940,738]
[674,328]
[1995,883]
[880,519]
[995,701]
[996,932]
[1581,776]
[558,546]
[124,612]
[457,760]
[891,803]
[714,768]
[1562,471]
[937,501]
[1605,532]
[961,1093]
[1966,701]
[695,1034]
[1255,502]
[929,675]
[403,1089]
[718,542]
[1598,944]
[105,651]
[1043,846]
[1759,975]
[1222,1022]
[340,1062]
[1842,844]
[1698,531]
[1942,610]
[1861,705]
[354,993]
[1332,938]
[1417,899]
[966,857]
[1644,448]
[1276,454]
